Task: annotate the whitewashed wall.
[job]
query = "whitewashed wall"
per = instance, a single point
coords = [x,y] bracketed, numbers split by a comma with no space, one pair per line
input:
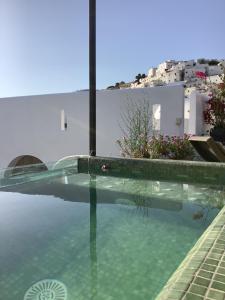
[196,122]
[31,125]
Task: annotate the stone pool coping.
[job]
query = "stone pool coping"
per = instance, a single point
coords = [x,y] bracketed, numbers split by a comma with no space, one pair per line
[156,169]
[201,275]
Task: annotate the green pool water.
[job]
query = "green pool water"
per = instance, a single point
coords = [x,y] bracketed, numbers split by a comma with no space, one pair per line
[104,238]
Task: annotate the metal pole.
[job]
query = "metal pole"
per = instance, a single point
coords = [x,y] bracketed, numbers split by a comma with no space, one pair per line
[92,77]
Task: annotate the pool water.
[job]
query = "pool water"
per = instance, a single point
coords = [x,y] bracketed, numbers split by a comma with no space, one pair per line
[103,238]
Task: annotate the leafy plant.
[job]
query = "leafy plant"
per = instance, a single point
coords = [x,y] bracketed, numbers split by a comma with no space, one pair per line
[174,147]
[214,114]
[138,140]
[136,128]
[202,61]
[158,147]
[139,77]
[213,62]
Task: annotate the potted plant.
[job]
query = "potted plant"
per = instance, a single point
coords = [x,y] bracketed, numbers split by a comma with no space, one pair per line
[214,113]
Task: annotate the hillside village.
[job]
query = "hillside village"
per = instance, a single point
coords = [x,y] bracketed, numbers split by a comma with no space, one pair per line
[172,71]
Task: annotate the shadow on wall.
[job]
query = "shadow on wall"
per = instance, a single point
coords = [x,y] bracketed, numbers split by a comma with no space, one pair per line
[25,164]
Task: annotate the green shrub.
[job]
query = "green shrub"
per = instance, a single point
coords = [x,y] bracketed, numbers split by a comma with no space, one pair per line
[136,128]
[139,141]
[174,147]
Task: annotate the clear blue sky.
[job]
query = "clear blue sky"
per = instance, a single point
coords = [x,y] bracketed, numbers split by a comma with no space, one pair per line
[44,43]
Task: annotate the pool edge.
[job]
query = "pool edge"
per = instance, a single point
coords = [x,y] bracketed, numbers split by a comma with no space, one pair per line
[201,273]
[157,169]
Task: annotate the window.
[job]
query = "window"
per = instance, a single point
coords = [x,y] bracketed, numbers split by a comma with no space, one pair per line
[63,121]
[156,117]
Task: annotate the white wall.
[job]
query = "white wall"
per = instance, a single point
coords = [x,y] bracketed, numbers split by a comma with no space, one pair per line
[196,121]
[214,70]
[32,125]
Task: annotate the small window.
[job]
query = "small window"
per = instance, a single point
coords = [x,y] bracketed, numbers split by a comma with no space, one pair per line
[63,121]
[156,109]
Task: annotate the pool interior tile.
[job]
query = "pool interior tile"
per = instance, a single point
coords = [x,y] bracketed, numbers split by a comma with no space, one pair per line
[201,275]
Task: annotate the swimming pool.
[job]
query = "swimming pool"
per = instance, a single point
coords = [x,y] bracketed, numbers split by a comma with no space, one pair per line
[98,236]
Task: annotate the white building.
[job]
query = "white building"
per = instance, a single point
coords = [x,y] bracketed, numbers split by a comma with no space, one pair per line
[165,66]
[190,73]
[214,79]
[215,70]
[173,76]
[152,72]
[172,71]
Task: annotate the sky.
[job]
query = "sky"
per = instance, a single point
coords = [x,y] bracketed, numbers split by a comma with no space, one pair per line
[44,43]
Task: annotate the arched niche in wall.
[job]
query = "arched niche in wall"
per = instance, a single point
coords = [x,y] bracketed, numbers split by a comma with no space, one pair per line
[25,164]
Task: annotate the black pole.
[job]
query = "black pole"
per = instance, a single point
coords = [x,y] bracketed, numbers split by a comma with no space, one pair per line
[92,77]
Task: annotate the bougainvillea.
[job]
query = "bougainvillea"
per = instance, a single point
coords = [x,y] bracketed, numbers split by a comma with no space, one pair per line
[214,113]
[200,75]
